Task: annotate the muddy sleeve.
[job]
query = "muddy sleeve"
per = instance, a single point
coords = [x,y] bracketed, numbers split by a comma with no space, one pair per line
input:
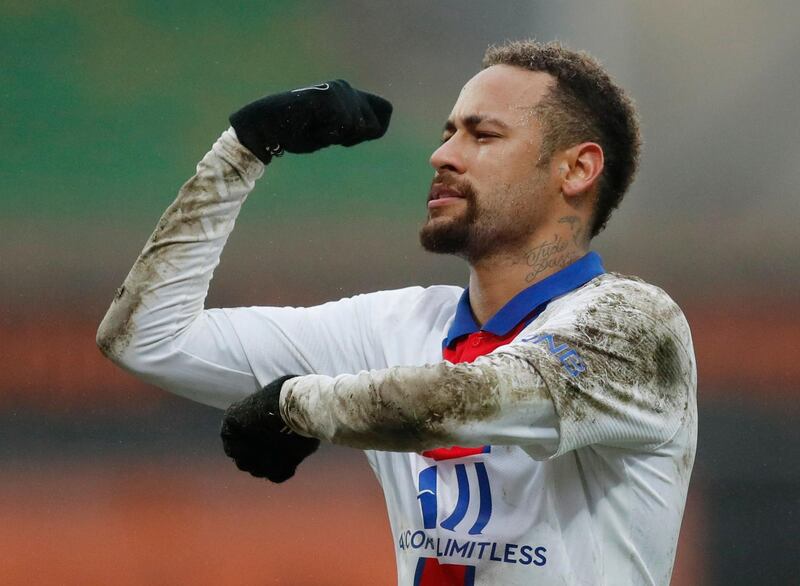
[156,327]
[621,376]
[555,389]
[497,399]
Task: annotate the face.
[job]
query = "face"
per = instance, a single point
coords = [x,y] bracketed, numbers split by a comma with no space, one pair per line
[489,193]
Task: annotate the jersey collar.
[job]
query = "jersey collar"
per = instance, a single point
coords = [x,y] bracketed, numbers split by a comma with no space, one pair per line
[526,301]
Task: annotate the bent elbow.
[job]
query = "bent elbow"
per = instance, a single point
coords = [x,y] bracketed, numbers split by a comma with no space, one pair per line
[115,332]
[109,341]
[119,341]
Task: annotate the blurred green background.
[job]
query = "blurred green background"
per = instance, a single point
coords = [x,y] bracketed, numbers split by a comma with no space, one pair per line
[105,110]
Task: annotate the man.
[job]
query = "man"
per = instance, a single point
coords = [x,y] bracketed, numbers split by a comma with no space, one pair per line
[538,427]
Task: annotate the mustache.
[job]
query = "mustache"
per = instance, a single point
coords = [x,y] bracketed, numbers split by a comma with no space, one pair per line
[462,187]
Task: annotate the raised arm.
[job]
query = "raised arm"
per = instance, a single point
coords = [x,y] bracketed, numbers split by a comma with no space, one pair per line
[156,326]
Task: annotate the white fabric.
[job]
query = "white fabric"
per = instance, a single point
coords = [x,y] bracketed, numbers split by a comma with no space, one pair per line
[590,412]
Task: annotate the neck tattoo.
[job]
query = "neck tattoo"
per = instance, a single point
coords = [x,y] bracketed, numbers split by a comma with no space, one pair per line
[550,254]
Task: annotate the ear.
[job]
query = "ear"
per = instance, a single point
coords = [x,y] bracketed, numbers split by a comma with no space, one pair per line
[580,168]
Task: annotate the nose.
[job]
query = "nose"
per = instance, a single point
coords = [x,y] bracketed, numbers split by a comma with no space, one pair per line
[448,157]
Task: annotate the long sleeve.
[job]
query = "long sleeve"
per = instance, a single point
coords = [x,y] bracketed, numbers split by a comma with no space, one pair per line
[497,399]
[156,327]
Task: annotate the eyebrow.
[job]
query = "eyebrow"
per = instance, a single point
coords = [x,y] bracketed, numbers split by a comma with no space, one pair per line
[472,121]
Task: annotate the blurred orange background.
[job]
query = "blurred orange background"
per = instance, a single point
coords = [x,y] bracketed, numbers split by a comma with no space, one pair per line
[106,108]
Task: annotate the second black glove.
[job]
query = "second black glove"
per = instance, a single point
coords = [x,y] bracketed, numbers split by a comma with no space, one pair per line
[308,119]
[256,438]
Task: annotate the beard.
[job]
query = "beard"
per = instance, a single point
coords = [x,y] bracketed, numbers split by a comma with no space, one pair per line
[451,234]
[476,233]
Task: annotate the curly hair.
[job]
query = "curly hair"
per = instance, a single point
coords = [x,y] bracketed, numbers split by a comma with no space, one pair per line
[584,105]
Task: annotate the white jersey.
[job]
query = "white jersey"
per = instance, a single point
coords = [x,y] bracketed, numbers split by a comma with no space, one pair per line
[588,416]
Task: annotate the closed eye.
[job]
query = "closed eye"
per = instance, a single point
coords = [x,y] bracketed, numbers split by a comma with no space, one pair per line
[480,136]
[484,136]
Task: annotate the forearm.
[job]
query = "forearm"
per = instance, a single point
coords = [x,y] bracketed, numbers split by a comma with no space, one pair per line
[165,290]
[498,399]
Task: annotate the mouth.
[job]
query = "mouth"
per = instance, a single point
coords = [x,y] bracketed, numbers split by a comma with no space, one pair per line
[442,191]
[441,194]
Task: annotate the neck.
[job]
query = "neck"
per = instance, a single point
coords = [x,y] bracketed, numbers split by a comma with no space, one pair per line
[495,280]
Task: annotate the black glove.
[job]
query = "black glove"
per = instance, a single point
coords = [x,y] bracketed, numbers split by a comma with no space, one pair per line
[256,437]
[308,119]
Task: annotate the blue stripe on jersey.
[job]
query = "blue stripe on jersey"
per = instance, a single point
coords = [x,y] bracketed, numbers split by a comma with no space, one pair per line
[463,499]
[485,492]
[427,496]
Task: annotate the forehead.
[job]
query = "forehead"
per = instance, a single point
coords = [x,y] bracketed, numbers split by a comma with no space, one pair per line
[502,91]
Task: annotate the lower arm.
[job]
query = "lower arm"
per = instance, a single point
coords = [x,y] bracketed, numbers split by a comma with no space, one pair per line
[419,408]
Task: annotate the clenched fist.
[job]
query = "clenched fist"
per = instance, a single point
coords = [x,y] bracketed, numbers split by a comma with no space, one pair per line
[256,437]
[310,118]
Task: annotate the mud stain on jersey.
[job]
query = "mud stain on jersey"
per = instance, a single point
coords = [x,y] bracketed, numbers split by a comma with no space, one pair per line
[668,372]
[414,408]
[186,220]
[624,336]
[627,339]
[580,406]
[421,412]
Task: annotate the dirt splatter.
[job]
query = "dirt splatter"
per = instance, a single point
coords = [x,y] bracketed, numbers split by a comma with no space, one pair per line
[686,462]
[626,337]
[668,372]
[411,408]
[571,404]
[425,410]
[185,222]
[622,333]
